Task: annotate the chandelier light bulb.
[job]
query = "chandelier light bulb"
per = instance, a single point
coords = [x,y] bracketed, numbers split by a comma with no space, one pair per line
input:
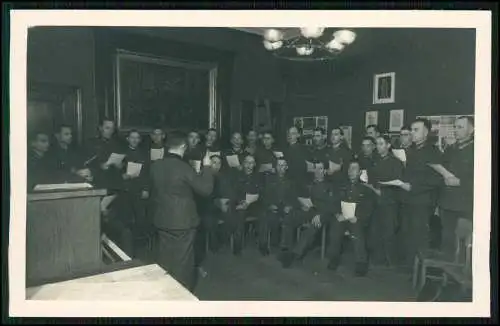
[272,45]
[304,50]
[335,45]
[312,32]
[345,36]
[273,35]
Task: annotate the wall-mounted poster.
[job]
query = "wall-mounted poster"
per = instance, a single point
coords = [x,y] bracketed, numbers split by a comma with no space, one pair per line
[396,120]
[371,118]
[307,125]
[443,129]
[384,86]
[347,134]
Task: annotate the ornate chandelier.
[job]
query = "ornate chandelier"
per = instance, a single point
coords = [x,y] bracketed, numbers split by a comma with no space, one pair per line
[311,45]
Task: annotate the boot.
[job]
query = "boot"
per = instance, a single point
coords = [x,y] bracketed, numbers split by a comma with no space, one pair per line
[333,264]
[361,269]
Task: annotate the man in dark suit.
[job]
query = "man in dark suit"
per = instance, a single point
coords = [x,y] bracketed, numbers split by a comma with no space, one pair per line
[174,184]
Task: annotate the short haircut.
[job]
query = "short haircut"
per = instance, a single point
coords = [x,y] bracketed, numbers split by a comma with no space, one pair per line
[469,119]
[101,122]
[268,132]
[212,129]
[34,134]
[193,131]
[375,127]
[354,161]
[276,161]
[131,131]
[236,133]
[216,156]
[322,130]
[371,139]
[386,138]
[248,155]
[406,127]
[157,128]
[61,126]
[176,139]
[341,131]
[426,122]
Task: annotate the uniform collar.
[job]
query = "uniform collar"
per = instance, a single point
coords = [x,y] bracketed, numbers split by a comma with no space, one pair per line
[465,143]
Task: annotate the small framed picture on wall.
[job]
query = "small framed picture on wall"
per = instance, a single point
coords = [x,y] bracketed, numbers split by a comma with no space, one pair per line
[371,118]
[384,86]
[396,120]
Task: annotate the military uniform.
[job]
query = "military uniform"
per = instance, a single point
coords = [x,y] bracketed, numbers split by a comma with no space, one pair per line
[321,196]
[279,192]
[383,227]
[98,151]
[419,202]
[296,156]
[363,197]
[235,185]
[457,202]
[342,155]
[130,204]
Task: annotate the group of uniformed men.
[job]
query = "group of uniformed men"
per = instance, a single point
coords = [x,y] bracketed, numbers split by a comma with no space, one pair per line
[382,201]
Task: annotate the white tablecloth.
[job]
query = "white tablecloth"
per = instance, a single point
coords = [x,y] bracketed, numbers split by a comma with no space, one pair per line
[149,282]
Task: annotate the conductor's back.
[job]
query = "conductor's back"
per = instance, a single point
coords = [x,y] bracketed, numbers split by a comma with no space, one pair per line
[174,184]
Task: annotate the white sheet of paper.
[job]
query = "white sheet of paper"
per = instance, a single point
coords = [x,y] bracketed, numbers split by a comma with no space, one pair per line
[157,153]
[115,159]
[233,161]
[250,198]
[196,165]
[364,176]
[318,165]
[62,186]
[333,166]
[400,154]
[206,159]
[134,169]
[306,202]
[278,154]
[348,209]
[391,183]
[310,166]
[266,167]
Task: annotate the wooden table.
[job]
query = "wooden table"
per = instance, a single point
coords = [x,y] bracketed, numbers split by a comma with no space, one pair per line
[149,282]
[63,233]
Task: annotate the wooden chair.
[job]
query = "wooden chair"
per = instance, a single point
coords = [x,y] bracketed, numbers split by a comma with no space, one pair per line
[459,270]
[249,220]
[323,237]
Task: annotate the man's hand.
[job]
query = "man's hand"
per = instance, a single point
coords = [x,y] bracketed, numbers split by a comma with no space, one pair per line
[353,220]
[105,166]
[452,181]
[145,194]
[126,176]
[242,205]
[273,208]
[316,221]
[340,217]
[287,209]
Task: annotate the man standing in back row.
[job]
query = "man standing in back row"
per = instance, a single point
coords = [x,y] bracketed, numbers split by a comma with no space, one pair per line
[174,184]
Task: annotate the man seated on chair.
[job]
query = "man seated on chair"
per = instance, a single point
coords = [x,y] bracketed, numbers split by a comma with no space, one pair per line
[316,209]
[353,207]
[239,194]
[278,201]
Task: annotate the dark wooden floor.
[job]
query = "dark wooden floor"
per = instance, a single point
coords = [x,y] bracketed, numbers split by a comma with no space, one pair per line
[253,277]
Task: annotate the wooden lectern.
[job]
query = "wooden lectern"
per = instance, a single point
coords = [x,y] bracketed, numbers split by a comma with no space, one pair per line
[63,234]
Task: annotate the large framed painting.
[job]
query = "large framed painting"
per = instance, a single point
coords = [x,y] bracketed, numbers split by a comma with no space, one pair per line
[155,91]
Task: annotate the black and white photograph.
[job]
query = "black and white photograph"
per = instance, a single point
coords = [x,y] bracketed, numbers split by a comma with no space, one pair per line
[169,164]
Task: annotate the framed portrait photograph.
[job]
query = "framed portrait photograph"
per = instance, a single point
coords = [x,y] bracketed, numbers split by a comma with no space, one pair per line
[384,86]
[396,120]
[371,118]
